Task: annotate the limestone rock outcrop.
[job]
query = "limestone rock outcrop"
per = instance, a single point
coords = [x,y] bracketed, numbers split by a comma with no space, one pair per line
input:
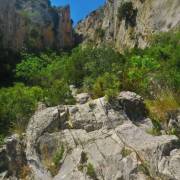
[34,25]
[95,140]
[129,23]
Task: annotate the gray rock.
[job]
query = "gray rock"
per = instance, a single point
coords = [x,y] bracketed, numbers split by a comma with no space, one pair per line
[82,98]
[94,115]
[174,120]
[133,105]
[73,90]
[12,156]
[97,133]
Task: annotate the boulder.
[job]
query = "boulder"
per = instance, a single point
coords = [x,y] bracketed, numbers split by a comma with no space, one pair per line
[133,105]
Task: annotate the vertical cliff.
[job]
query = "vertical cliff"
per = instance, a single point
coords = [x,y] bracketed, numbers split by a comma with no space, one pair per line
[34,24]
[129,23]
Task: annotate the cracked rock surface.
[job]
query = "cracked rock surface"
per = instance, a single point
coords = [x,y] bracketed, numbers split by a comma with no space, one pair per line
[100,140]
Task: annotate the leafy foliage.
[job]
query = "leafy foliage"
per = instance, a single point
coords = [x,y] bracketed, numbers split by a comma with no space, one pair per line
[107,84]
[101,71]
[140,70]
[17,105]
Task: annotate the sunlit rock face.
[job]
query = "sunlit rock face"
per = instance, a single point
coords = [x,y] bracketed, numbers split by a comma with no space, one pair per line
[34,24]
[95,139]
[131,26]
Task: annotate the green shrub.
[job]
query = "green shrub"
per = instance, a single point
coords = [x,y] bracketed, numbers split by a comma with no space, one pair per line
[107,84]
[32,67]
[58,93]
[165,49]
[139,73]
[17,104]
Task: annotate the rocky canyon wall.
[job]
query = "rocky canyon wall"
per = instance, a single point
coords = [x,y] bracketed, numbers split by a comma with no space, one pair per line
[34,24]
[129,23]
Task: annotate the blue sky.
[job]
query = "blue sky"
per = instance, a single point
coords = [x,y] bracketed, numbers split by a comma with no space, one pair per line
[79,8]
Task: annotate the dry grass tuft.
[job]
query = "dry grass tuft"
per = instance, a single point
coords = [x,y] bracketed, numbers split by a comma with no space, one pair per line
[25,172]
[163,103]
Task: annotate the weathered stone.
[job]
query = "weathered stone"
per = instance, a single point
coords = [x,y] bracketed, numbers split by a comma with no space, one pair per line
[174,120]
[82,98]
[94,115]
[133,105]
[98,134]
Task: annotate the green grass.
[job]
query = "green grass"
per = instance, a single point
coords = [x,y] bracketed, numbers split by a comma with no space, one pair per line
[58,156]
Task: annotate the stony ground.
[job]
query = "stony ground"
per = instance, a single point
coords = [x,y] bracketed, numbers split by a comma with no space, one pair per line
[100,140]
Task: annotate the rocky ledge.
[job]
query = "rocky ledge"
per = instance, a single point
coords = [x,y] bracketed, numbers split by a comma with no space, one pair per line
[93,139]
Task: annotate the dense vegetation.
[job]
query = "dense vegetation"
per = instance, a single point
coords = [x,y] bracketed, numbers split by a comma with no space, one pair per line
[101,71]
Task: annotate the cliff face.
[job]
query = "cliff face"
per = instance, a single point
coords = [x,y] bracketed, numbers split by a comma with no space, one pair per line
[129,23]
[34,24]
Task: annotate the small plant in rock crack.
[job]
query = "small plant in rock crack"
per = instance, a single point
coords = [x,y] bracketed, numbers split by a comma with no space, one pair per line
[91,171]
[58,156]
[83,161]
[53,164]
[144,167]
[125,152]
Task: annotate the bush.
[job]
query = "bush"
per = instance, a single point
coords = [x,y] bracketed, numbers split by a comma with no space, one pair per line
[32,67]
[17,104]
[139,74]
[58,93]
[107,84]
[166,50]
